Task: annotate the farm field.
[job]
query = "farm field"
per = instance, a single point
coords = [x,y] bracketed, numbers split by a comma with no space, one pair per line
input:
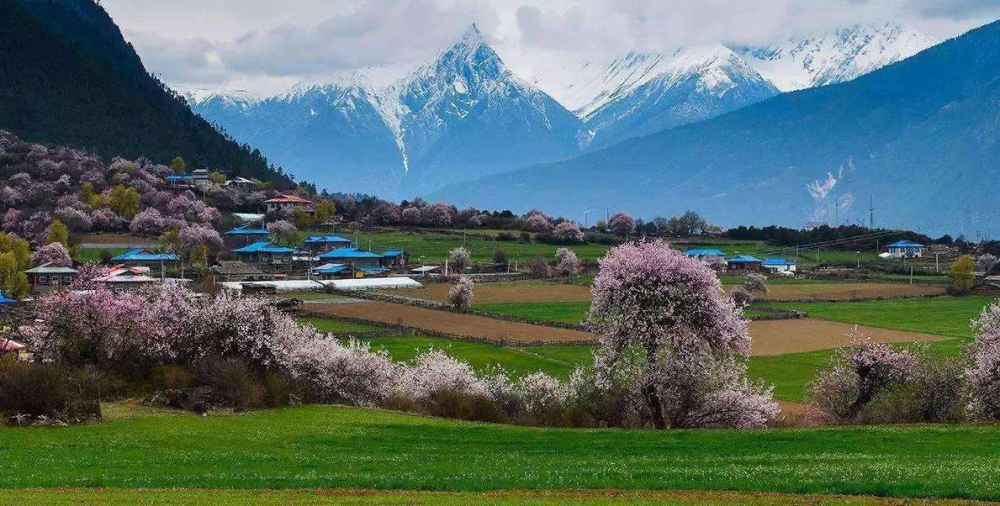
[944,316]
[197,497]
[432,247]
[519,291]
[352,448]
[444,322]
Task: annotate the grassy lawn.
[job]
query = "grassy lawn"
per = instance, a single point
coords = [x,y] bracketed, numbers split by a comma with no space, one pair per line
[945,316]
[435,247]
[566,312]
[336,326]
[196,497]
[94,255]
[317,446]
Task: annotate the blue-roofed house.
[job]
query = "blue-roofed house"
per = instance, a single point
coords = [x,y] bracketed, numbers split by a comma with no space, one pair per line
[332,271]
[266,253]
[353,257]
[4,301]
[906,249]
[780,265]
[317,244]
[244,234]
[744,263]
[143,258]
[711,257]
[179,180]
[396,259]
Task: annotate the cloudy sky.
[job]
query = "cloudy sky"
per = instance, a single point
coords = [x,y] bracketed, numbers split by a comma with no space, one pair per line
[265,45]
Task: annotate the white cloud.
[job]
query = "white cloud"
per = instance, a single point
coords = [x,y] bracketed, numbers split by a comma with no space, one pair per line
[266,44]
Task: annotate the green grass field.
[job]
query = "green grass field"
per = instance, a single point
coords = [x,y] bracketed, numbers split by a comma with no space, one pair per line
[320,447]
[197,497]
[566,312]
[945,316]
[336,326]
[94,255]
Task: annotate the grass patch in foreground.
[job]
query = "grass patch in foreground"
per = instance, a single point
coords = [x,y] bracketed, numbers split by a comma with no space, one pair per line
[336,326]
[197,497]
[323,447]
[566,312]
[944,316]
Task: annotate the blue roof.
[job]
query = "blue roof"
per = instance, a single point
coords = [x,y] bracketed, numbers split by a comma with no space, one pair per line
[246,230]
[906,244]
[701,252]
[373,270]
[264,247]
[324,239]
[179,177]
[393,253]
[5,300]
[744,259]
[140,255]
[349,253]
[331,269]
[779,261]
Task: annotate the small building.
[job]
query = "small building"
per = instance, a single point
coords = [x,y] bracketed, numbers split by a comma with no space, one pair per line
[288,203]
[353,257]
[781,265]
[48,277]
[266,253]
[234,270]
[249,217]
[426,270]
[143,258]
[395,259]
[6,302]
[906,249]
[242,184]
[124,277]
[179,180]
[332,271]
[320,243]
[201,177]
[744,263]
[245,234]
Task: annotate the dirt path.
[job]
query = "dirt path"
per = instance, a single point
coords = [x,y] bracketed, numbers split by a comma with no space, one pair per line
[454,323]
[780,337]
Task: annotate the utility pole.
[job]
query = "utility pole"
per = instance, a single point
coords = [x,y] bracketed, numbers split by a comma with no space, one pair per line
[871,211]
[937,262]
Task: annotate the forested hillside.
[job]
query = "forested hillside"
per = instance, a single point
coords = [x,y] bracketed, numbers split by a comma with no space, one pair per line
[67,76]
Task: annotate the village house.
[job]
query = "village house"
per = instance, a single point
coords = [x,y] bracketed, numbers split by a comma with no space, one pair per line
[780,265]
[353,257]
[395,259]
[142,258]
[332,271]
[234,270]
[242,184]
[180,181]
[245,234]
[744,263]
[265,253]
[288,203]
[48,277]
[124,277]
[317,244]
[201,178]
[906,249]
[711,257]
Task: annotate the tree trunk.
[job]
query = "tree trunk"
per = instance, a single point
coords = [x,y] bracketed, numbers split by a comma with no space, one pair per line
[655,408]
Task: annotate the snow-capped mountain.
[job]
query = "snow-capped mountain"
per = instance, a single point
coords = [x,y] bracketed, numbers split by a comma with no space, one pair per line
[401,131]
[664,90]
[842,56]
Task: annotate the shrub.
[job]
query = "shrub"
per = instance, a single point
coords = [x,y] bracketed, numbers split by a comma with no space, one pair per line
[32,390]
[741,296]
[499,257]
[539,268]
[232,383]
[756,283]
[567,263]
[460,295]
[458,259]
[506,237]
[963,276]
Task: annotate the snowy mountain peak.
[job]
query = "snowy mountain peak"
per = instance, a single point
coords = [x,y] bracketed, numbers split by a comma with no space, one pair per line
[473,36]
[841,56]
